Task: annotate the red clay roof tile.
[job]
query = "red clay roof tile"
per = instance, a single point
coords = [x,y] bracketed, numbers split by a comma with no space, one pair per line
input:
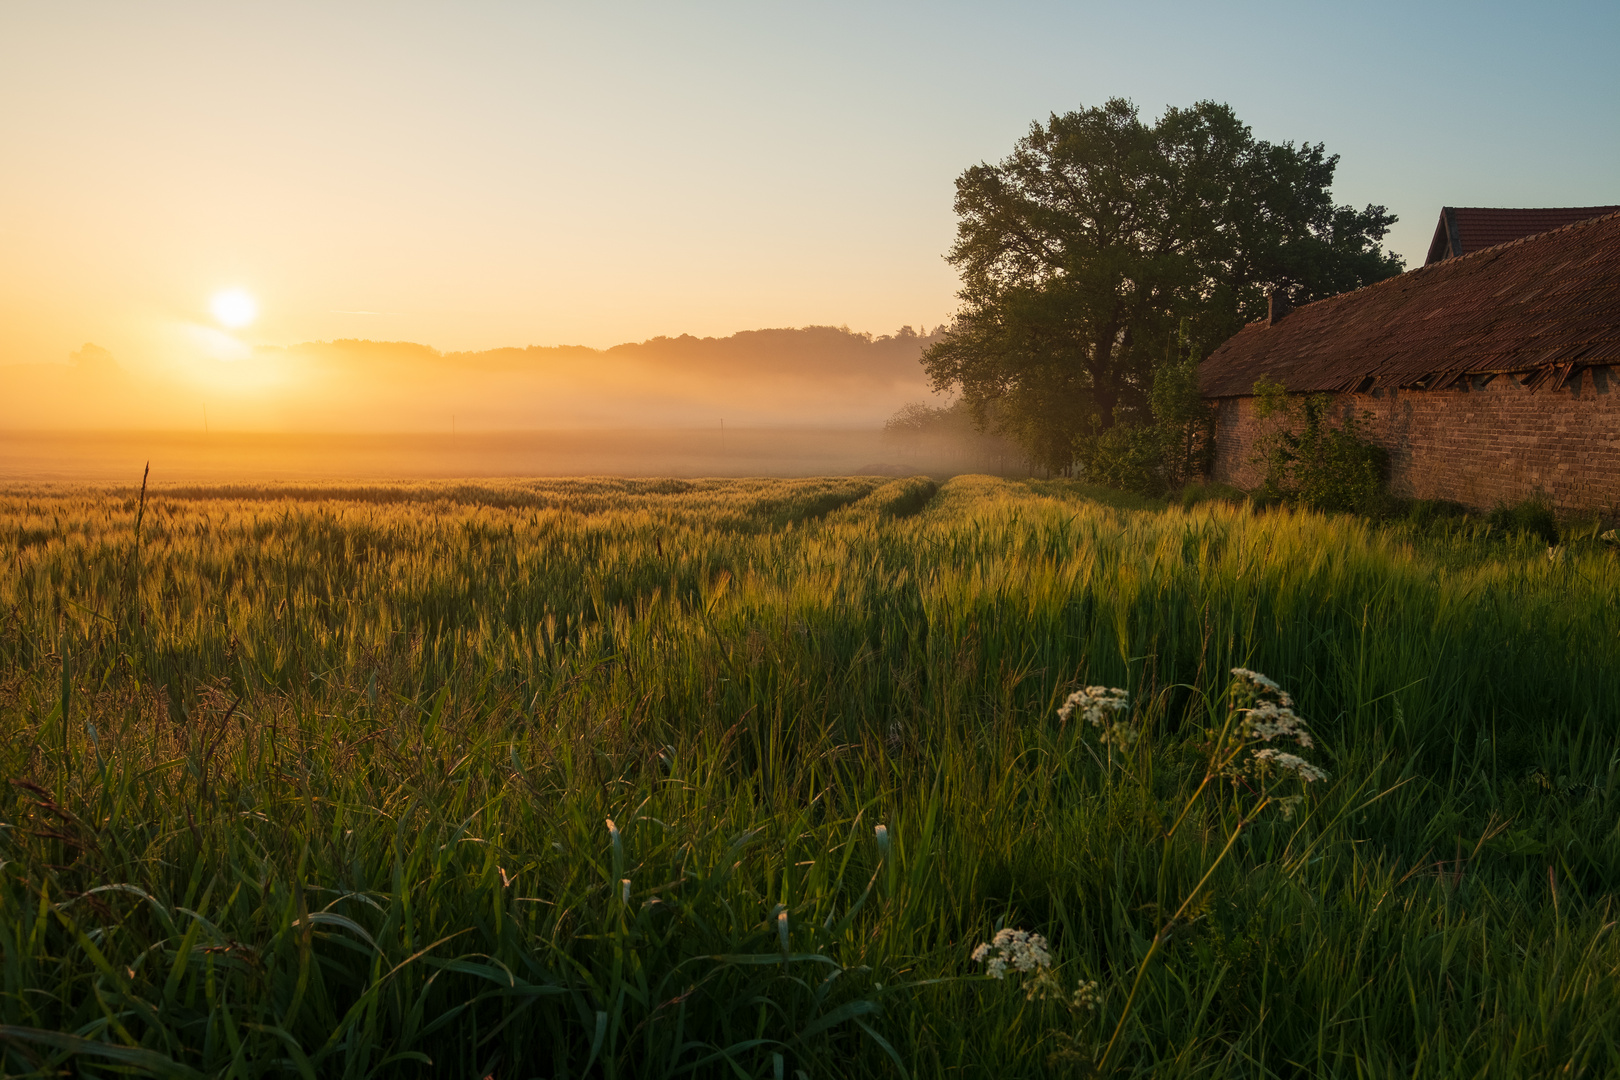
[1548,303]
[1463,230]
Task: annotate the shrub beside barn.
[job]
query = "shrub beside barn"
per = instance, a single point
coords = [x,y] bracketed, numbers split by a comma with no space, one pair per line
[1488,376]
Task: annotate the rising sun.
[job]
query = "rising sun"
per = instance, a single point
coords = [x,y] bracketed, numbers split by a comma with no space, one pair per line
[234,308]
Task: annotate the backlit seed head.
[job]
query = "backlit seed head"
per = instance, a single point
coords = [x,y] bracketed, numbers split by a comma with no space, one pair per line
[1087,996]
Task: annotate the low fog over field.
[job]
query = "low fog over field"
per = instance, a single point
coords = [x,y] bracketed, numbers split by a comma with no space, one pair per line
[818,376]
[191,457]
[812,401]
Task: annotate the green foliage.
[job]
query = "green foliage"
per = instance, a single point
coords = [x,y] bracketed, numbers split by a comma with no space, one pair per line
[1309,459]
[1534,516]
[322,787]
[1270,398]
[1426,514]
[1166,455]
[1183,418]
[1130,458]
[1082,250]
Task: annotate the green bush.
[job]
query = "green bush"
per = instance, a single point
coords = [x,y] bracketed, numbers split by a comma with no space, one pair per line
[1183,420]
[1425,515]
[1311,461]
[1168,454]
[1127,458]
[1424,512]
[1533,517]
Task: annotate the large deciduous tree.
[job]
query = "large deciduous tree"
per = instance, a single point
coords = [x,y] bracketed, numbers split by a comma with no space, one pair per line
[1082,251]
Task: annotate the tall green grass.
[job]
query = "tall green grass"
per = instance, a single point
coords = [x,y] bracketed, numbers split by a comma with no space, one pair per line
[585,778]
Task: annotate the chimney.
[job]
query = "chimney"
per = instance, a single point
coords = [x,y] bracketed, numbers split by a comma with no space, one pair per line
[1277,306]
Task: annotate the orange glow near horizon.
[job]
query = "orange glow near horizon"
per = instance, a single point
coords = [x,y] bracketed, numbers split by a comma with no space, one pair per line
[192,187]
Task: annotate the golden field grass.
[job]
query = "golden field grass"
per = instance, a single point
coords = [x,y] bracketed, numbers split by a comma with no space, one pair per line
[583,777]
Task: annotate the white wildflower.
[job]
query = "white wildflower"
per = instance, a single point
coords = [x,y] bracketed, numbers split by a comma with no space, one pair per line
[1260,684]
[1289,762]
[997,968]
[1096,703]
[1265,713]
[1023,950]
[1269,720]
[1105,707]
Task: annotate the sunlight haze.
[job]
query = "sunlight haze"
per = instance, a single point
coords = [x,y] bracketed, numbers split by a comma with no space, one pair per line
[186,185]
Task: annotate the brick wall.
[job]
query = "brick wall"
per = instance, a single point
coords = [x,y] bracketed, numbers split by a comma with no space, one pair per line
[1477,443]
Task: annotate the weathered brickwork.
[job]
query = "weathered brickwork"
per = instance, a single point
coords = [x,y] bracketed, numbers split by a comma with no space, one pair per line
[1478,443]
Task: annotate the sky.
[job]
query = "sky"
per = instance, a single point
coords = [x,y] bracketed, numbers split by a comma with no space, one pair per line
[478,175]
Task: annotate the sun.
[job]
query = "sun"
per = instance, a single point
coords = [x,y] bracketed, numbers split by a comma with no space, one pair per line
[234,308]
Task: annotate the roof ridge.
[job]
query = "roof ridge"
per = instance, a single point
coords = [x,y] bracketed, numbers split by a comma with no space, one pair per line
[1452,261]
[1522,239]
[1549,298]
[1543,209]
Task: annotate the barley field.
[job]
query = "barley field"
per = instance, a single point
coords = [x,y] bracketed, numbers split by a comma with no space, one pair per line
[613,778]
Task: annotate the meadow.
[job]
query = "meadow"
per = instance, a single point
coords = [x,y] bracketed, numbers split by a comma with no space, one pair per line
[614,778]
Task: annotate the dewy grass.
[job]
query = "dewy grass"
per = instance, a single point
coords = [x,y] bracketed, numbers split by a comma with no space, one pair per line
[1259,711]
[321,786]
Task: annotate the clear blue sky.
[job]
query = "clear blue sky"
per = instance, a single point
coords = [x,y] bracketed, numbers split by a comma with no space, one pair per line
[471,175]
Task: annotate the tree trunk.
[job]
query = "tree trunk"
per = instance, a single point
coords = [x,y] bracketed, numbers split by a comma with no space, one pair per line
[1104,394]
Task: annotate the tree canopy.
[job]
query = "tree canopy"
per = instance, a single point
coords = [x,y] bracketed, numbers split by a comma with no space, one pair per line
[1082,251]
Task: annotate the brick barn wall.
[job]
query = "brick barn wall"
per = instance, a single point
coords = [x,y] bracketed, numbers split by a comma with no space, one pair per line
[1474,444]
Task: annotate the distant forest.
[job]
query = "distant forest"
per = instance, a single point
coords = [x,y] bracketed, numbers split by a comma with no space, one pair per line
[807,352]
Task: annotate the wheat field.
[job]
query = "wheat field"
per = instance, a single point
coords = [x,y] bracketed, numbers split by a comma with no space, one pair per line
[629,778]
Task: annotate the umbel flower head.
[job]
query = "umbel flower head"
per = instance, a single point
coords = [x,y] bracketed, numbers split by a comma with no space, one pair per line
[1256,683]
[1276,759]
[1104,707]
[1022,950]
[1265,714]
[1026,953]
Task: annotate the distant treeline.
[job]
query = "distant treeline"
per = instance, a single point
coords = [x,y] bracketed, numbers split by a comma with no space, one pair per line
[954,432]
[811,376]
[811,350]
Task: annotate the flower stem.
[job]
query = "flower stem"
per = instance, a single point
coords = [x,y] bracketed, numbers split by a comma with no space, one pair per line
[1158,939]
[1185,809]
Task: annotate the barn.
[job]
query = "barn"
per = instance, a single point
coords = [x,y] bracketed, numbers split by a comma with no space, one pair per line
[1490,374]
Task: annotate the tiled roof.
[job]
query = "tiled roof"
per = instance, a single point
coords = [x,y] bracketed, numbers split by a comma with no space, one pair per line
[1463,230]
[1547,304]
